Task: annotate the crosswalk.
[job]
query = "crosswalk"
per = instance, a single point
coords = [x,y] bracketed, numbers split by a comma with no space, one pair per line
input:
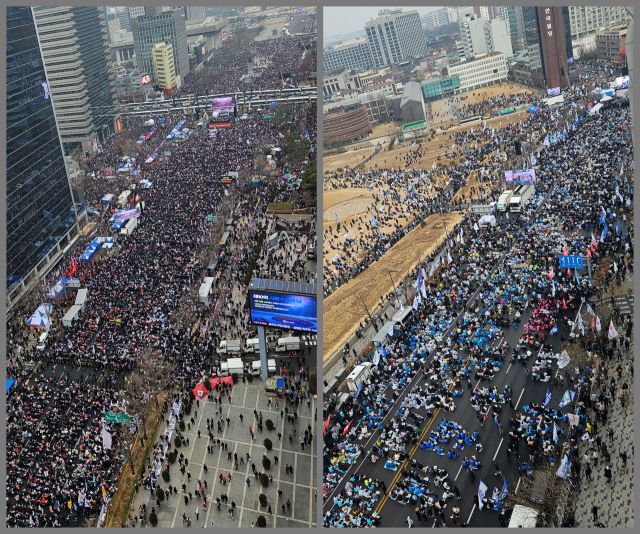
[624,303]
[310,340]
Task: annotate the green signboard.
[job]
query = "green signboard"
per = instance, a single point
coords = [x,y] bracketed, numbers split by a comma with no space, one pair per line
[268,116]
[112,417]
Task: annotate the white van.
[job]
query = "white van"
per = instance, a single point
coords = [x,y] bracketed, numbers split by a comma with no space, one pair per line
[359,374]
[42,341]
[231,366]
[252,345]
[286,344]
[256,367]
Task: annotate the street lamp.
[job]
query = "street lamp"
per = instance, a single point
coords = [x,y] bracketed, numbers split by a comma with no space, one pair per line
[395,292]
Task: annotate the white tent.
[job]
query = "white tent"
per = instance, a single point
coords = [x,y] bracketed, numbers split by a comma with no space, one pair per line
[72,315]
[41,318]
[595,109]
[205,289]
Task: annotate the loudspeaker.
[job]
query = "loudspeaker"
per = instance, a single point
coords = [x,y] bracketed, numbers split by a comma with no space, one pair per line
[518,148]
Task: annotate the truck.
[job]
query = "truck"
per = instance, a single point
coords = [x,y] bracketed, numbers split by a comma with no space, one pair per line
[256,369]
[360,373]
[231,366]
[285,344]
[521,197]
[230,346]
[482,209]
[252,345]
[503,201]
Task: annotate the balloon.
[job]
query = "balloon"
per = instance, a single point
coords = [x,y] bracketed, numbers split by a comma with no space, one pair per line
[215,114]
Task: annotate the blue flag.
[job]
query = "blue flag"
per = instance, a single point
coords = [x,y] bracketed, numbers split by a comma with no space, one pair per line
[603,217]
[566,399]
[505,489]
[618,228]
[547,397]
[336,217]
[359,388]
[577,277]
[604,233]
[554,330]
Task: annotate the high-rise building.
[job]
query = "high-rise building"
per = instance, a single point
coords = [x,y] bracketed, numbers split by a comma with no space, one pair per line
[73,41]
[552,46]
[502,13]
[483,12]
[158,26]
[135,11]
[516,23]
[353,54]
[193,12]
[586,20]
[566,22]
[481,72]
[497,37]
[122,14]
[452,14]
[435,19]
[164,69]
[41,218]
[471,33]
[395,36]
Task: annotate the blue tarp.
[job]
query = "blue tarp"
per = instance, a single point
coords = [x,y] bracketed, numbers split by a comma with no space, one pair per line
[118,225]
[41,317]
[90,253]
[10,383]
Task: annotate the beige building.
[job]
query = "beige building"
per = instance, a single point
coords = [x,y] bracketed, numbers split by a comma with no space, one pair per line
[164,68]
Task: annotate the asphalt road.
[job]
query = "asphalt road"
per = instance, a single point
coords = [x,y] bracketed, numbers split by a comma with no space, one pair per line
[495,444]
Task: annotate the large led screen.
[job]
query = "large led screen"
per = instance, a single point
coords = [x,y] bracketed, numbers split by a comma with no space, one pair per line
[284,310]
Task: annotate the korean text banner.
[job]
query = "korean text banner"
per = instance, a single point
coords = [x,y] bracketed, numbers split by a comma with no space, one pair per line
[521,177]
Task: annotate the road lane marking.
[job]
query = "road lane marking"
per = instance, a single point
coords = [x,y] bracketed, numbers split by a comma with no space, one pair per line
[516,405]
[497,450]
[508,369]
[458,473]
[472,510]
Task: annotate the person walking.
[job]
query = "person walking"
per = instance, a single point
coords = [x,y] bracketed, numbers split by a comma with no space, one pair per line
[587,473]
[498,472]
[607,473]
[594,511]
[508,453]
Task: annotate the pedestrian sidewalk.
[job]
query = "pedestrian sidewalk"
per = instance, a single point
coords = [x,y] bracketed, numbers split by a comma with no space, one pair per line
[615,499]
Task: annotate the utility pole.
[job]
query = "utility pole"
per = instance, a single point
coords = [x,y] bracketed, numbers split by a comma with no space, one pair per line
[392,283]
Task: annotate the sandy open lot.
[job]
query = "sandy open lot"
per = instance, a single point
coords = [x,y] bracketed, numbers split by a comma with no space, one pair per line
[343,309]
[333,163]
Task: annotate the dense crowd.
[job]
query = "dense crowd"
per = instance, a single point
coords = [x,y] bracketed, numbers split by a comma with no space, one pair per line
[484,281]
[143,297]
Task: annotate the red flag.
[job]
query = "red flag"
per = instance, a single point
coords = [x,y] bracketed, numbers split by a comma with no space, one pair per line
[346,428]
[551,274]
[564,304]
[594,242]
[326,425]
[593,323]
[589,252]
[564,251]
[569,271]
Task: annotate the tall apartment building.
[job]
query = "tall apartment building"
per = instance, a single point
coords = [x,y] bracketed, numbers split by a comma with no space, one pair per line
[586,20]
[452,14]
[164,69]
[193,12]
[502,13]
[437,18]
[73,41]
[395,36]
[156,26]
[41,218]
[135,11]
[353,54]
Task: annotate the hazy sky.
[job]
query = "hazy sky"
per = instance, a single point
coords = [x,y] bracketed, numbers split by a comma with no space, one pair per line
[338,20]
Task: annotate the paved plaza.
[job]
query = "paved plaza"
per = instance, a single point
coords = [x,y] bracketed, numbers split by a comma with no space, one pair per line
[299,488]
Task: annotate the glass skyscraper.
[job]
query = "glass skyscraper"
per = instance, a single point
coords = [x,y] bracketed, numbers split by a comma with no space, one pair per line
[40,209]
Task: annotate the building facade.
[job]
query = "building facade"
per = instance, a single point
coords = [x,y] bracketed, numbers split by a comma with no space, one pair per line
[41,218]
[346,125]
[483,12]
[395,36]
[611,43]
[497,37]
[480,72]
[154,27]
[586,20]
[164,67]
[343,81]
[439,89]
[552,46]
[435,19]
[130,88]
[74,46]
[351,55]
